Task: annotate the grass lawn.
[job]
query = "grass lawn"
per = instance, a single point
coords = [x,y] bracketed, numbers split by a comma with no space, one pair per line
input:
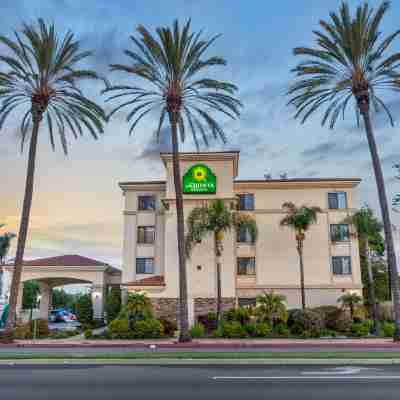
[200,355]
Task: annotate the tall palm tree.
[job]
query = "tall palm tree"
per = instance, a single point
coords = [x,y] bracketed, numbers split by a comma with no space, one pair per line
[216,219]
[40,79]
[300,220]
[367,227]
[350,301]
[173,66]
[351,61]
[5,243]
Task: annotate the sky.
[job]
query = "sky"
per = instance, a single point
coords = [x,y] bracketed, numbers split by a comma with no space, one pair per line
[77,204]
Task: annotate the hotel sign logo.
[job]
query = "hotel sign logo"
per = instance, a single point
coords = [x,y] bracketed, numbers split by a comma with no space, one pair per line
[199,179]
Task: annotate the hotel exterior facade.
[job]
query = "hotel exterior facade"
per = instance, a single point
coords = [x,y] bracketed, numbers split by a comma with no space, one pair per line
[150,257]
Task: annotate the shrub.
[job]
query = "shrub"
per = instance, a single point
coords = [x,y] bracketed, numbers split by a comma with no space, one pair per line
[169,326]
[240,314]
[326,312]
[251,328]
[305,322]
[209,321]
[119,329]
[88,333]
[197,330]
[281,330]
[334,318]
[262,329]
[233,329]
[113,303]
[23,331]
[386,311]
[147,329]
[360,329]
[272,308]
[328,332]
[388,329]
[84,309]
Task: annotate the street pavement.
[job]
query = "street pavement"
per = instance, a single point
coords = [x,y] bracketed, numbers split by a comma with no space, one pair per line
[189,382]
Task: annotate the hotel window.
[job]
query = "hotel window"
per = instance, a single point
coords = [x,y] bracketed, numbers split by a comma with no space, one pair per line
[340,232]
[146,203]
[246,201]
[341,265]
[246,266]
[243,236]
[146,234]
[337,200]
[145,265]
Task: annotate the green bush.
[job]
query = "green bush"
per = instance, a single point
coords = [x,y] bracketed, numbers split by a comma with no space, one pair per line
[113,303]
[262,329]
[388,329]
[197,330]
[240,314]
[233,329]
[328,332]
[306,323]
[251,328]
[119,329]
[147,329]
[169,326]
[88,333]
[84,309]
[281,330]
[209,321]
[361,329]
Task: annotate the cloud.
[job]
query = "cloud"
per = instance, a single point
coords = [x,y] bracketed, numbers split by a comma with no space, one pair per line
[154,147]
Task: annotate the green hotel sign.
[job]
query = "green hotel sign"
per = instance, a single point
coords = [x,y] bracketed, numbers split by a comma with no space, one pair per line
[199,179]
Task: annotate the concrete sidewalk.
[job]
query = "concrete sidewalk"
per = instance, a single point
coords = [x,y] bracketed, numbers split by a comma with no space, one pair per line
[373,343]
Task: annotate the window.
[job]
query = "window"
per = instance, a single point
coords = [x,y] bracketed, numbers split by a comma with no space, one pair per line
[247,302]
[339,232]
[146,234]
[337,200]
[246,266]
[246,201]
[243,236]
[145,265]
[147,203]
[341,265]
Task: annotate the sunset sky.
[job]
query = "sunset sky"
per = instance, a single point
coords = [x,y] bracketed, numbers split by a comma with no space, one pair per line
[77,204]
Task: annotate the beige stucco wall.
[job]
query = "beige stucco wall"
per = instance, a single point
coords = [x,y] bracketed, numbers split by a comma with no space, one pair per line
[277,265]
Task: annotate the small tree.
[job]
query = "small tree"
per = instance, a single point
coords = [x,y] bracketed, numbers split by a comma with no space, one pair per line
[272,307]
[113,303]
[84,309]
[300,220]
[30,293]
[350,300]
[215,219]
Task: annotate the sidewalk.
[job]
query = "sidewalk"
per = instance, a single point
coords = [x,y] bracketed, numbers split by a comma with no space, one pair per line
[373,343]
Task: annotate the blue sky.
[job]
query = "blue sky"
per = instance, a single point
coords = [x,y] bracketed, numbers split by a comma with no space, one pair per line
[77,204]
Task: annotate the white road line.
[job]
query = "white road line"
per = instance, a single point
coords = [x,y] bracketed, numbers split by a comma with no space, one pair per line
[307,378]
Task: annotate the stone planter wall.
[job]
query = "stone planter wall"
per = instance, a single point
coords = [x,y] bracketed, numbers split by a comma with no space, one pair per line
[203,305]
[165,308]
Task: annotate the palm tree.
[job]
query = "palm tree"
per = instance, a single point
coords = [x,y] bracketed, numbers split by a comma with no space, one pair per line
[367,227]
[351,61]
[300,219]
[350,301]
[216,219]
[173,65]
[272,306]
[40,78]
[5,243]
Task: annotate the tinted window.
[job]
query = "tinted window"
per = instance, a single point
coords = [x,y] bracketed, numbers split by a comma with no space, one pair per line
[146,234]
[243,236]
[337,200]
[147,203]
[246,266]
[339,232]
[246,201]
[341,265]
[145,265]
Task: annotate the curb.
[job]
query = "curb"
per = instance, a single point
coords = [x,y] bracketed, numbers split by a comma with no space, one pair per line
[204,362]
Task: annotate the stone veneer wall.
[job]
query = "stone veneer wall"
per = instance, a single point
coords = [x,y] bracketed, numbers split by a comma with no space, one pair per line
[203,305]
[166,308]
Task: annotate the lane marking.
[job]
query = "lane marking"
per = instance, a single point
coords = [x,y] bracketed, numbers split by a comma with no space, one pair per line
[340,371]
[307,378]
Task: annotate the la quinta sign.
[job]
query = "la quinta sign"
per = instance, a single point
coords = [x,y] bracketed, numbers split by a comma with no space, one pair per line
[199,179]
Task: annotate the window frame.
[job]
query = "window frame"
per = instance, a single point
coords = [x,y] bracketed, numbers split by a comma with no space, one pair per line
[238,265]
[337,194]
[141,201]
[243,195]
[144,265]
[145,231]
[338,233]
[341,266]
[247,240]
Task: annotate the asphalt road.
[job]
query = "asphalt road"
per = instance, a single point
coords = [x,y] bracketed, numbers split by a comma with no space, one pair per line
[183,382]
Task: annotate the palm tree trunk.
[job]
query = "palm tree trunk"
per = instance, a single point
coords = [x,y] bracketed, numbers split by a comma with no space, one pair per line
[303,292]
[23,232]
[371,289]
[183,296]
[387,226]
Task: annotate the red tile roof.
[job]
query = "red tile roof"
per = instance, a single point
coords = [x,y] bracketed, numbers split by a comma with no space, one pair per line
[156,280]
[68,260]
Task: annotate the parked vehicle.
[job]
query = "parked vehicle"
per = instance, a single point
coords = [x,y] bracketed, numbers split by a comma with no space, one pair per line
[62,315]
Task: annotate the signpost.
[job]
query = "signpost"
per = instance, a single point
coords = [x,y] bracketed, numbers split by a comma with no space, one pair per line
[199,179]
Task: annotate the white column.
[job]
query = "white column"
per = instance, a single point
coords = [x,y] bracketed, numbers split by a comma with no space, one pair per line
[45,300]
[98,298]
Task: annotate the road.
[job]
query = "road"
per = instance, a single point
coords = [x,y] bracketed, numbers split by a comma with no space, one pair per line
[182,382]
